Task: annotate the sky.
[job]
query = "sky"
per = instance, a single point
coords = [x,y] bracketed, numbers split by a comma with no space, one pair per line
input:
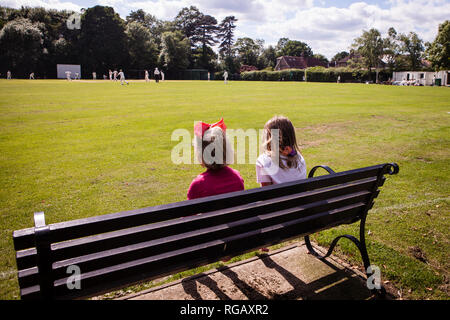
[328,27]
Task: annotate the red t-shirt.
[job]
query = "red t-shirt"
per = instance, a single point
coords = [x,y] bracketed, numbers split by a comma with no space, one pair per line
[211,182]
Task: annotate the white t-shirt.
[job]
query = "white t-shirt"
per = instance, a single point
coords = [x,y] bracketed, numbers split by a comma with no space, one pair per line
[268,171]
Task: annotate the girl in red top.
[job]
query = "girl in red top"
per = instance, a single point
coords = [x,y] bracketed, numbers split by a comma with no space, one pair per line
[215,154]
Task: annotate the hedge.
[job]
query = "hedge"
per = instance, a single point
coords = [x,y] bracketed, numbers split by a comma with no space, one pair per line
[320,74]
[316,74]
[264,75]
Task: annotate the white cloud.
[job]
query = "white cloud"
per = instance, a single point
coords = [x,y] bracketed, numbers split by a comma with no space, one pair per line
[330,30]
[48,4]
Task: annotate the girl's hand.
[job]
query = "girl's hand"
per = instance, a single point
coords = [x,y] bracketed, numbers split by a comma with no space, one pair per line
[264,184]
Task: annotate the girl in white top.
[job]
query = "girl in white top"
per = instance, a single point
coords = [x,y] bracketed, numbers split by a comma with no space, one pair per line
[281,160]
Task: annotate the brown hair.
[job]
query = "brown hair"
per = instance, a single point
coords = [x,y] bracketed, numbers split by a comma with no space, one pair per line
[286,135]
[215,139]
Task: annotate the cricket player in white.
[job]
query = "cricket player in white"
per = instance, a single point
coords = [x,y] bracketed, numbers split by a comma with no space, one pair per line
[122,77]
[156,73]
[68,73]
[146,76]
[225,77]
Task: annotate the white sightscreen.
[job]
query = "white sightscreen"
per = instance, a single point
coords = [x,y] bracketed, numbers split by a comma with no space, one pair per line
[62,68]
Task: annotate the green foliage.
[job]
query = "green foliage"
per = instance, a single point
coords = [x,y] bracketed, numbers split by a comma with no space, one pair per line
[412,46]
[103,42]
[293,48]
[226,35]
[370,46]
[340,55]
[247,51]
[150,22]
[316,74]
[264,75]
[141,48]
[21,45]
[175,51]
[438,52]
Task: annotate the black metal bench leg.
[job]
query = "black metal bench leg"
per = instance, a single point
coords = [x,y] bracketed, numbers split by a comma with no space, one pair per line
[360,244]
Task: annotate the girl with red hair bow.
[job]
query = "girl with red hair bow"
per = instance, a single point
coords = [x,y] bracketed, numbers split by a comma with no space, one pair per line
[214,153]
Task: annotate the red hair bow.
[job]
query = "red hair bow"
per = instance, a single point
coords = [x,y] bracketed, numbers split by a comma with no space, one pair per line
[201,127]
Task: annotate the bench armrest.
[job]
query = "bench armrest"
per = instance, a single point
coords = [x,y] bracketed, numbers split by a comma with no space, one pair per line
[313,170]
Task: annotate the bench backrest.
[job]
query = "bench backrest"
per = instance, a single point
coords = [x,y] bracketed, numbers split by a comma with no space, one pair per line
[116,250]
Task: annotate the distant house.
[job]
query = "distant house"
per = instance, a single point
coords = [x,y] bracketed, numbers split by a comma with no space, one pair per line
[290,62]
[245,68]
[344,61]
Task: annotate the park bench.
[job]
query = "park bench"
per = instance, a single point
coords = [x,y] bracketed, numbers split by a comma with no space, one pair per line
[116,250]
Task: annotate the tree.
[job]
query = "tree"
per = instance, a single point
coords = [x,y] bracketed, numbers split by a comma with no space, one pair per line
[413,46]
[206,36]
[21,45]
[370,46]
[153,24]
[340,55]
[280,45]
[226,44]
[226,35]
[187,21]
[103,40]
[247,50]
[175,51]
[438,52]
[321,57]
[205,58]
[295,48]
[268,58]
[391,49]
[141,48]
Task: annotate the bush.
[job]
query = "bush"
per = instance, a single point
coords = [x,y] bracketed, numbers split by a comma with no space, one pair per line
[266,75]
[320,74]
[315,74]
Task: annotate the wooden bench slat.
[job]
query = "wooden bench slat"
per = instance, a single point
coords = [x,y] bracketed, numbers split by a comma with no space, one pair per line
[149,248]
[123,248]
[211,251]
[23,239]
[88,245]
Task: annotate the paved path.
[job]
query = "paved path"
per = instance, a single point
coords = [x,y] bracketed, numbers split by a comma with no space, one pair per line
[287,273]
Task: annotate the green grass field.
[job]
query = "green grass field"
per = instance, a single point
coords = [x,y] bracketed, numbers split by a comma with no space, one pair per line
[80,149]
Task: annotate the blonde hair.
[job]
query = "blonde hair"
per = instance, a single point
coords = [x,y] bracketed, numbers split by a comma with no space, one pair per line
[218,147]
[286,136]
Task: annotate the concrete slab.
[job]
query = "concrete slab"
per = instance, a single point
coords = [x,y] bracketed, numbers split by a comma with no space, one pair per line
[287,273]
